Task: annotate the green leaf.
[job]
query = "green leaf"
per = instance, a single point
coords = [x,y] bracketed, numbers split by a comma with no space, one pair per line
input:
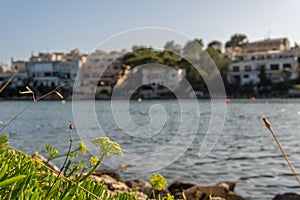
[3,170]
[50,150]
[3,138]
[54,188]
[12,180]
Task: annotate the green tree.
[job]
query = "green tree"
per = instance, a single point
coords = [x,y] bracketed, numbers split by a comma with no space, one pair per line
[237,40]
[222,62]
[192,47]
[173,47]
[142,56]
[215,43]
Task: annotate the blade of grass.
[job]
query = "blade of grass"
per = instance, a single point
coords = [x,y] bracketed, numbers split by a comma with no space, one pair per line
[55,172]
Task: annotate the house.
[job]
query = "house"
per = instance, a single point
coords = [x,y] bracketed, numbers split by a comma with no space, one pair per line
[101,72]
[273,57]
[50,70]
[20,66]
[4,74]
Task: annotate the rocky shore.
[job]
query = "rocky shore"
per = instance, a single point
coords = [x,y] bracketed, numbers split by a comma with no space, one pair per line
[180,190]
[221,191]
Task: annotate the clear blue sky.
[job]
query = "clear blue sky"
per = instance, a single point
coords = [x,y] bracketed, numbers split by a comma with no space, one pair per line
[33,26]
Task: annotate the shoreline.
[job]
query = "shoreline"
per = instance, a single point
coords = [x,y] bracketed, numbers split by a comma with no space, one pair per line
[221,191]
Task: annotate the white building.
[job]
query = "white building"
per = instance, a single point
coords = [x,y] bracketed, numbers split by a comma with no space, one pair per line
[163,76]
[101,72]
[3,69]
[55,69]
[274,57]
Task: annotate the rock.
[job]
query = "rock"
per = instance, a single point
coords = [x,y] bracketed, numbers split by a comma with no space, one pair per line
[139,185]
[223,190]
[123,167]
[140,195]
[111,183]
[144,187]
[177,188]
[287,196]
[110,173]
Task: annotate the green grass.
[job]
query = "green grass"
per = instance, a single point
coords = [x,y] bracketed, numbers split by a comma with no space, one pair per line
[22,177]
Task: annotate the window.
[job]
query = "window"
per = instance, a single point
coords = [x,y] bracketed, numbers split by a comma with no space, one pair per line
[260,67]
[274,67]
[248,68]
[246,76]
[236,68]
[287,65]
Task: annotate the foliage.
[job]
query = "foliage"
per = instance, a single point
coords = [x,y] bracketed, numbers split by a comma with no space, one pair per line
[159,182]
[237,40]
[22,177]
[145,55]
[107,147]
[171,46]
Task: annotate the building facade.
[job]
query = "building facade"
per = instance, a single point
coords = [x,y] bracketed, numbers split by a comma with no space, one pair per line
[101,72]
[50,70]
[272,58]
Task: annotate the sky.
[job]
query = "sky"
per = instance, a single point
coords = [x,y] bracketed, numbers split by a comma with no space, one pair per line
[32,26]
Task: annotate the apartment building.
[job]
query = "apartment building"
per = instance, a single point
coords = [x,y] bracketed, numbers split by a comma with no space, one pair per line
[101,72]
[274,57]
[50,70]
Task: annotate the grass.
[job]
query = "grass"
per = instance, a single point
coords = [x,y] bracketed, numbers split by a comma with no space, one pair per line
[22,177]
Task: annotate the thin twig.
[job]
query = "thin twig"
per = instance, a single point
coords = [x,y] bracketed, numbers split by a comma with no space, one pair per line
[26,107]
[9,80]
[15,117]
[268,125]
[66,159]
[52,91]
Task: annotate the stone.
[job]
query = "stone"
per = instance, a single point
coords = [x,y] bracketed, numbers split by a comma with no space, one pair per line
[287,196]
[178,187]
[111,183]
[144,187]
[110,173]
[139,185]
[223,190]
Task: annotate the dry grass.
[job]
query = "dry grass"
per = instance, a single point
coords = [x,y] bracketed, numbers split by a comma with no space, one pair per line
[268,125]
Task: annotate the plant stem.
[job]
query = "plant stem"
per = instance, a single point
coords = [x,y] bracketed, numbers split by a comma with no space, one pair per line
[15,117]
[150,192]
[94,168]
[55,172]
[66,159]
[26,107]
[268,125]
[9,80]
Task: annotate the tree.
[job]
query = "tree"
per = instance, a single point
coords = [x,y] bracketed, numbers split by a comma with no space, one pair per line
[221,61]
[237,40]
[173,47]
[215,44]
[193,47]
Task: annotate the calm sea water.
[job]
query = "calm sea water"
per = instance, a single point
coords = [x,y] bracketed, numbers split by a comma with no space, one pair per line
[245,153]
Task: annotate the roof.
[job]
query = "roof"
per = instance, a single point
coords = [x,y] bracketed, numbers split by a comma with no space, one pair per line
[269,40]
